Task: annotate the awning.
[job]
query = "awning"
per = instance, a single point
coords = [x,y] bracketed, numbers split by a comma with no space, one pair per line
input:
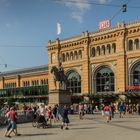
[103,95]
[132,94]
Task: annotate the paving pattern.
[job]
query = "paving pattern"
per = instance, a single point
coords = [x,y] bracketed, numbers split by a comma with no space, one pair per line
[92,127]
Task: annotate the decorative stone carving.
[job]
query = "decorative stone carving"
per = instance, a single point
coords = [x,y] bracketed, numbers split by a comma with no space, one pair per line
[131,61]
[94,66]
[114,63]
[80,68]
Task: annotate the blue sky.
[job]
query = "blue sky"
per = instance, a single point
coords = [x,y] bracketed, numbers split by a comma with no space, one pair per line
[26,26]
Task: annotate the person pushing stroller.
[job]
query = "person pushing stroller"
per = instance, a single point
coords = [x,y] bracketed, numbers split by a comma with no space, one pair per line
[41,111]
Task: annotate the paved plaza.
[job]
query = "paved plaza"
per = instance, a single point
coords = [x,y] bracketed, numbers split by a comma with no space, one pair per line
[92,127]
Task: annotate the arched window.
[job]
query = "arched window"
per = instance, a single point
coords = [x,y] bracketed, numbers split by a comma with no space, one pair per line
[71,55]
[113,48]
[28,83]
[67,57]
[103,50]
[41,82]
[130,45]
[75,55]
[63,57]
[80,54]
[93,52]
[74,82]
[135,75]
[36,82]
[136,43]
[15,85]
[105,80]
[25,83]
[98,51]
[108,48]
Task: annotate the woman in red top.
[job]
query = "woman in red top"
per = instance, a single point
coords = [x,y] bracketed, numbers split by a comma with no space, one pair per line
[13,120]
[107,110]
[50,115]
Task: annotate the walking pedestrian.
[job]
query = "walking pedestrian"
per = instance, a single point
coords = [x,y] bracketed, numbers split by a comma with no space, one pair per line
[107,110]
[50,116]
[13,120]
[54,111]
[121,109]
[65,119]
[8,122]
[81,110]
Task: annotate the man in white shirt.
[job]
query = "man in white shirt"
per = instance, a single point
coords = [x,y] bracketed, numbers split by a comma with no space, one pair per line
[42,113]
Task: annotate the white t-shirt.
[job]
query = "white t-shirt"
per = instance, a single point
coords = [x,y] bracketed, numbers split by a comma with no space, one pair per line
[42,111]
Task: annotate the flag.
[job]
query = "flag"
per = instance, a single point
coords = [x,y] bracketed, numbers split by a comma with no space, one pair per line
[58,28]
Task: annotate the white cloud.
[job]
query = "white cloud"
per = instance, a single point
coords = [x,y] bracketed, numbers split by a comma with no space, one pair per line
[79,7]
[82,5]
[104,1]
[78,16]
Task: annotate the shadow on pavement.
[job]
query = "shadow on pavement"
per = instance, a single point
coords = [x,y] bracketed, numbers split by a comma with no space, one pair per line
[127,127]
[84,128]
[124,121]
[37,134]
[116,123]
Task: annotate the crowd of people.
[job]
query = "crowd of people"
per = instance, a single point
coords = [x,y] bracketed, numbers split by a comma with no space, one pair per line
[43,114]
[122,108]
[47,115]
[108,110]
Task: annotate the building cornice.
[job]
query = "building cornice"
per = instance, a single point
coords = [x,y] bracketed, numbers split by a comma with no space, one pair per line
[104,34]
[32,70]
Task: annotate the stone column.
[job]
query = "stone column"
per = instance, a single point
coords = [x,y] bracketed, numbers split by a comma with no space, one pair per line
[85,66]
[121,65]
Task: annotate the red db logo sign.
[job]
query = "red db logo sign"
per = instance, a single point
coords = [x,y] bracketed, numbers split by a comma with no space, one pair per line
[104,24]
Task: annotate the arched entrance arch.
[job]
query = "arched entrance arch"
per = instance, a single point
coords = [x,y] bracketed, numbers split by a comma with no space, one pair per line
[135,75]
[104,79]
[74,82]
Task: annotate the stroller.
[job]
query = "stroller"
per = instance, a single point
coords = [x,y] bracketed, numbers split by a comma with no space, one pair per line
[40,121]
